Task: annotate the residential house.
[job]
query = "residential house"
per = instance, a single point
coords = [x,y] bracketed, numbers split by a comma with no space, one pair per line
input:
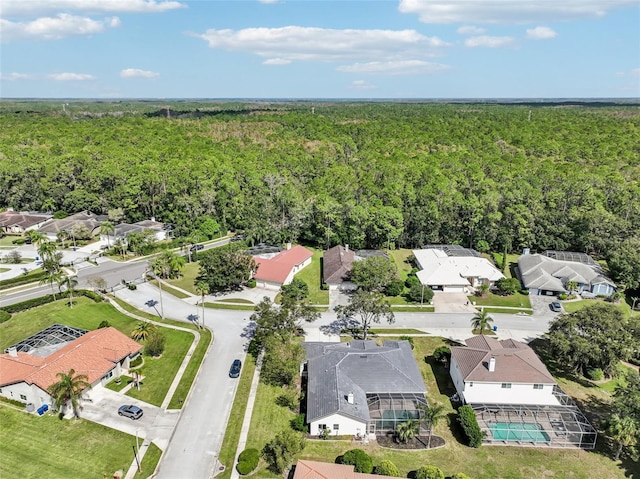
[12,222]
[101,355]
[453,273]
[360,388]
[90,221]
[326,470]
[121,230]
[279,269]
[336,268]
[544,275]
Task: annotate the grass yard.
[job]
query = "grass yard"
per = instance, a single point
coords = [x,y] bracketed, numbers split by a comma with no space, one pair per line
[34,446]
[192,369]
[4,270]
[412,309]
[124,382]
[149,462]
[489,309]
[87,315]
[313,277]
[516,300]
[236,300]
[237,307]
[573,306]
[187,279]
[399,257]
[170,290]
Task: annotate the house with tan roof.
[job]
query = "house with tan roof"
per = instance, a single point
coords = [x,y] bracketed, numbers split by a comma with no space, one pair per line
[101,355]
[12,222]
[90,221]
[279,269]
[326,470]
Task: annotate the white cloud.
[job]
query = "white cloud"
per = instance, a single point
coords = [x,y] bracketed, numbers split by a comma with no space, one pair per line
[541,33]
[400,67]
[137,73]
[35,8]
[16,76]
[276,61]
[268,1]
[71,77]
[321,44]
[508,11]
[635,72]
[489,42]
[55,28]
[361,85]
[470,30]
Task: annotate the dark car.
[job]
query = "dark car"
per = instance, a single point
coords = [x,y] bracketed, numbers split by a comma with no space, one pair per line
[236,366]
[197,247]
[237,238]
[556,307]
[130,411]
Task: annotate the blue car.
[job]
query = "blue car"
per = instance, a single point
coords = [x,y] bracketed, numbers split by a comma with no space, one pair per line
[236,366]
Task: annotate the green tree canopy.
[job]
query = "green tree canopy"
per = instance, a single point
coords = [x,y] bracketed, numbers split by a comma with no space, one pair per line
[225,268]
[282,449]
[624,262]
[366,308]
[374,273]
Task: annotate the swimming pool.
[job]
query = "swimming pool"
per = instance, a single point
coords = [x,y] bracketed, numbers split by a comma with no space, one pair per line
[517,431]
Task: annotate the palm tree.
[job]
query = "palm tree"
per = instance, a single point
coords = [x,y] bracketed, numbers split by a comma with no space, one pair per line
[407,430]
[46,249]
[70,282]
[635,300]
[69,389]
[432,416]
[623,430]
[36,237]
[106,228]
[202,288]
[159,267]
[137,376]
[62,235]
[143,330]
[51,278]
[482,321]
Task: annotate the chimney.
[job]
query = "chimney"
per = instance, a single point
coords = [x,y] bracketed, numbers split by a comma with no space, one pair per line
[346,247]
[288,245]
[13,352]
[350,398]
[492,364]
[153,218]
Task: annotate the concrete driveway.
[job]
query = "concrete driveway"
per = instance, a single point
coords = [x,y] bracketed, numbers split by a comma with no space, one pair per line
[541,305]
[155,425]
[452,303]
[254,295]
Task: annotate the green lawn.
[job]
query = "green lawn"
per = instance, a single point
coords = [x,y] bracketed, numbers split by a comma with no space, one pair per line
[412,309]
[192,369]
[399,257]
[236,300]
[124,381]
[4,270]
[516,300]
[489,309]
[149,462]
[87,315]
[35,447]
[573,306]
[313,277]
[188,277]
[238,307]
[170,290]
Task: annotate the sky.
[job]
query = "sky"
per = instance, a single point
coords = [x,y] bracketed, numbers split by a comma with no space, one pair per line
[319,49]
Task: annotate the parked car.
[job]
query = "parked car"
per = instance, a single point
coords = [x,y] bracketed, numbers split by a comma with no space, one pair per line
[236,366]
[556,307]
[197,247]
[237,238]
[130,411]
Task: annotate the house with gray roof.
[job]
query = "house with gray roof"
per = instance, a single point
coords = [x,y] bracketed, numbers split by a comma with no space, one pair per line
[336,267]
[359,388]
[545,275]
[86,219]
[12,222]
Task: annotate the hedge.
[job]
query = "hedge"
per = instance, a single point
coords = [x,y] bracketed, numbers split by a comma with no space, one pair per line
[429,472]
[248,461]
[23,279]
[4,316]
[35,302]
[469,422]
[361,461]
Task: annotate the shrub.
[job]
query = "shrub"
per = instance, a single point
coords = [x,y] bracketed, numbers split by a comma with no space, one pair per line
[290,398]
[154,345]
[360,460]
[135,363]
[4,316]
[19,241]
[387,468]
[104,324]
[507,285]
[469,422]
[91,295]
[407,338]
[524,292]
[411,280]
[13,257]
[282,449]
[429,472]
[298,423]
[248,461]
[595,374]
[562,296]
[460,475]
[442,354]
[132,286]
[23,279]
[395,288]
[251,283]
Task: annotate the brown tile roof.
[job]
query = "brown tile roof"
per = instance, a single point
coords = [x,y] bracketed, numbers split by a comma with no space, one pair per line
[516,362]
[277,269]
[91,221]
[93,355]
[326,470]
[336,264]
[11,218]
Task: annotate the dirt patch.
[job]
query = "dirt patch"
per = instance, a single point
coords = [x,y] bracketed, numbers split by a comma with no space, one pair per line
[418,442]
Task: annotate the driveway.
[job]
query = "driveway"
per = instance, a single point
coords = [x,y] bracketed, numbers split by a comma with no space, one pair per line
[541,305]
[338,297]
[254,295]
[452,303]
[156,424]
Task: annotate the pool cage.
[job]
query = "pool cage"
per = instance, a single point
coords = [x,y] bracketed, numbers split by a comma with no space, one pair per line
[556,426]
[48,338]
[387,410]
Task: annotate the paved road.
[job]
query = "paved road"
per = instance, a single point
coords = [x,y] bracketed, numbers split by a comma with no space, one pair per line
[194,448]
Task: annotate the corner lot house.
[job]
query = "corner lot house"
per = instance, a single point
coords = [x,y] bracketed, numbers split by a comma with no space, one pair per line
[90,221]
[12,222]
[543,274]
[453,269]
[360,388]
[101,355]
[516,399]
[325,470]
[279,269]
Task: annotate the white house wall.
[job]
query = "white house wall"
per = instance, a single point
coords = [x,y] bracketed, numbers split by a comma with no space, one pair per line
[494,393]
[346,426]
[32,393]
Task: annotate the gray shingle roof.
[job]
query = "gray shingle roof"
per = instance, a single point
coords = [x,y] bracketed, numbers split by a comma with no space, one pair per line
[361,368]
[336,264]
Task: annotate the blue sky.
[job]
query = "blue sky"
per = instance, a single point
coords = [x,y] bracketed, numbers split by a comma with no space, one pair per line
[319,49]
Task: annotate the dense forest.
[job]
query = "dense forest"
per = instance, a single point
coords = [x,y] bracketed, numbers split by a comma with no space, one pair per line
[365,174]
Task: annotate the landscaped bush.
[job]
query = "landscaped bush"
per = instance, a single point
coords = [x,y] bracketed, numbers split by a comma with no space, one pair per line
[460,475]
[411,280]
[395,288]
[19,241]
[469,422]
[595,374]
[360,460]
[91,295]
[132,286]
[4,316]
[12,257]
[251,283]
[31,303]
[154,345]
[524,292]
[23,279]
[562,296]
[507,286]
[429,472]
[442,354]
[104,324]
[387,468]
[298,423]
[248,461]
[407,338]
[135,363]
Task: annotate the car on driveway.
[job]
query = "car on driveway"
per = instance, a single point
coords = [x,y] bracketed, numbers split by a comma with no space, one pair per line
[197,247]
[130,411]
[236,366]
[556,307]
